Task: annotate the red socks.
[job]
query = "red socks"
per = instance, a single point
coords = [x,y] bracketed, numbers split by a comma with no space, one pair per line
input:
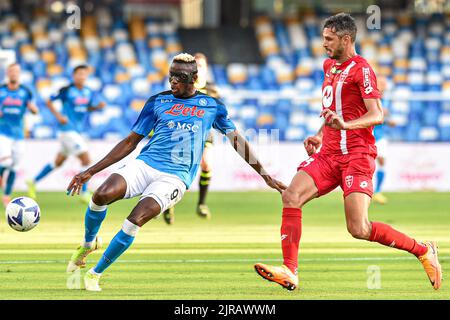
[291,231]
[385,234]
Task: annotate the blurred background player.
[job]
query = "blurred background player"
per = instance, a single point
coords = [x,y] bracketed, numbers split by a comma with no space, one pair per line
[381,142]
[210,89]
[78,100]
[15,100]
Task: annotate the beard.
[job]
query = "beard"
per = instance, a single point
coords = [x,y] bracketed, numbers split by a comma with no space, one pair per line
[337,54]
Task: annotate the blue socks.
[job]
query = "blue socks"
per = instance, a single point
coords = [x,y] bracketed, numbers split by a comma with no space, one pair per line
[10,182]
[119,244]
[380,178]
[45,171]
[92,221]
[2,170]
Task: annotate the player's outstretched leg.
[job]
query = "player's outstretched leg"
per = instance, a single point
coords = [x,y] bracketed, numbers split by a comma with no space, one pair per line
[144,211]
[359,226]
[300,191]
[9,186]
[111,190]
[93,219]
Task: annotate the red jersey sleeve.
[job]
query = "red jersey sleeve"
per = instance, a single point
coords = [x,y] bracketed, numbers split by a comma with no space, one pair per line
[327,64]
[367,82]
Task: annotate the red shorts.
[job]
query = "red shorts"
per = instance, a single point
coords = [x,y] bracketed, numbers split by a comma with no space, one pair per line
[353,172]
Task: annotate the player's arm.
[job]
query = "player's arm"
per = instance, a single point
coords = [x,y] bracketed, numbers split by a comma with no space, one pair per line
[120,151]
[373,116]
[32,107]
[242,147]
[314,142]
[61,119]
[99,106]
[142,127]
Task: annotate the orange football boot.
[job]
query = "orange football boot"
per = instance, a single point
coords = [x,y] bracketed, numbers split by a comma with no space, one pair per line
[281,275]
[431,264]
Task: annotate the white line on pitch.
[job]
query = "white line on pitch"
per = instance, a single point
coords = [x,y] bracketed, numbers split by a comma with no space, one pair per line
[223,260]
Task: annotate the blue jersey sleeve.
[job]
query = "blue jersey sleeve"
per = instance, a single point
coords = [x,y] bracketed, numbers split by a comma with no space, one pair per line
[61,95]
[146,120]
[29,95]
[96,98]
[222,121]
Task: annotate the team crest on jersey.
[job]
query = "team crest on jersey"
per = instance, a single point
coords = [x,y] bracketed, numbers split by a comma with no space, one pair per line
[171,124]
[203,102]
[327,96]
[349,181]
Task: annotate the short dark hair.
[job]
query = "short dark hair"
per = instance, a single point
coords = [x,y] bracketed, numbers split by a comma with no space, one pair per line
[342,23]
[80,67]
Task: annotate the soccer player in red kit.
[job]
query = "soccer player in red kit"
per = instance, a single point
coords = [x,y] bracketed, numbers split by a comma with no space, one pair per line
[351,107]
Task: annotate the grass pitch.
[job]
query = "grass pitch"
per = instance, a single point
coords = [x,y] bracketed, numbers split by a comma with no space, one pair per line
[198,259]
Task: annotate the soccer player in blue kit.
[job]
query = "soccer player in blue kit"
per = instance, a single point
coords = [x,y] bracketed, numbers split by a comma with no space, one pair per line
[181,119]
[78,100]
[15,100]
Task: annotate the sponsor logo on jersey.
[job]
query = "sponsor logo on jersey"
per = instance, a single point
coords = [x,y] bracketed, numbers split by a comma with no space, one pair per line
[81,100]
[9,101]
[363,184]
[183,126]
[283,236]
[366,80]
[349,181]
[179,109]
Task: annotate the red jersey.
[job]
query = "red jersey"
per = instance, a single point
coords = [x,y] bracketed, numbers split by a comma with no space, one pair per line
[343,90]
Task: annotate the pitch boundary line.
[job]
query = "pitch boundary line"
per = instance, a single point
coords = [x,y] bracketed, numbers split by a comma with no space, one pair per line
[222,260]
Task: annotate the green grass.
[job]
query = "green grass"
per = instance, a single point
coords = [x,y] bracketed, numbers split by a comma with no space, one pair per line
[197,259]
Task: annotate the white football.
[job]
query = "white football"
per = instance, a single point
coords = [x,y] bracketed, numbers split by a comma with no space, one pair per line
[23,214]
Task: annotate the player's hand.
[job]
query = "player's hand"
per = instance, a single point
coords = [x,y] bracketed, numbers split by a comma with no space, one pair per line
[77,182]
[312,144]
[274,184]
[333,120]
[63,120]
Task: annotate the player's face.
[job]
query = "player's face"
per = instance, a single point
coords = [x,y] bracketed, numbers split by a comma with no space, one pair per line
[180,80]
[332,43]
[13,73]
[80,77]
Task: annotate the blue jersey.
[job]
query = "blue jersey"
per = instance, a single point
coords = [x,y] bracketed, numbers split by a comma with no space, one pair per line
[378,132]
[181,127]
[75,106]
[13,105]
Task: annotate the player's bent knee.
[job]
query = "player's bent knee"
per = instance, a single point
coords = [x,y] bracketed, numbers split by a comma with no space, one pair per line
[145,210]
[104,195]
[291,199]
[359,231]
